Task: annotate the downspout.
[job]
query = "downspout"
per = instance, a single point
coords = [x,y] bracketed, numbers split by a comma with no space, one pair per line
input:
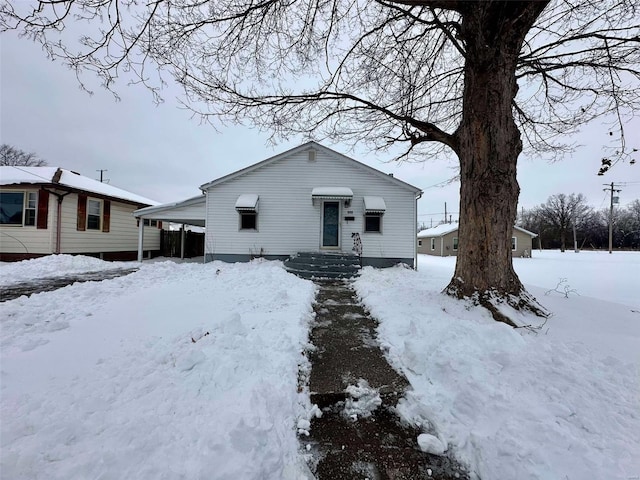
[415,227]
[60,197]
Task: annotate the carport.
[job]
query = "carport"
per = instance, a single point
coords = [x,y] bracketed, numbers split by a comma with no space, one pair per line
[187,212]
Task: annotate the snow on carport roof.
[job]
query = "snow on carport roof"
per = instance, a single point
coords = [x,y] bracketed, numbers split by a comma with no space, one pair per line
[12,175]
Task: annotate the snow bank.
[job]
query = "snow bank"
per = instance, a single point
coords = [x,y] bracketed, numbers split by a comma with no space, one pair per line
[54,265]
[510,403]
[175,371]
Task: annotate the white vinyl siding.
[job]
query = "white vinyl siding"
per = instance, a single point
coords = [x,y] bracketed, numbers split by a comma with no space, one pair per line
[291,222]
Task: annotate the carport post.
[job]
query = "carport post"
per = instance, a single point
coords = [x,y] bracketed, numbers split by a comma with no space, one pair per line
[182,236]
[140,238]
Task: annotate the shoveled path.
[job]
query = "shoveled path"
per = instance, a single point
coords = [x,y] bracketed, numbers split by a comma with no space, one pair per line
[379,446]
[48,284]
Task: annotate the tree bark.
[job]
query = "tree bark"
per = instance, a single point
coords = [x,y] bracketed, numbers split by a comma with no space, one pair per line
[489,146]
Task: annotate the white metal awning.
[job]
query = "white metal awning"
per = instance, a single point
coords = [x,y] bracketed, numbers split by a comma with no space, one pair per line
[332,193]
[374,205]
[247,202]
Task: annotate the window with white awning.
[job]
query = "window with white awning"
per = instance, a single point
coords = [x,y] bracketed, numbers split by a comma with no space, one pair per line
[247,208]
[332,193]
[374,205]
[247,202]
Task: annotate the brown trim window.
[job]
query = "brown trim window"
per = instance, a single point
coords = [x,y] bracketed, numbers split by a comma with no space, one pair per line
[94,214]
[30,208]
[18,208]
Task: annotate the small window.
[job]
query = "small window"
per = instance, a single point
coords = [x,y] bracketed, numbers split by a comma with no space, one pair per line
[150,223]
[514,243]
[248,220]
[419,243]
[455,243]
[94,209]
[373,222]
[30,208]
[433,244]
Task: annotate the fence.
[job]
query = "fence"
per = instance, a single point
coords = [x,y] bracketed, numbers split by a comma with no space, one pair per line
[170,243]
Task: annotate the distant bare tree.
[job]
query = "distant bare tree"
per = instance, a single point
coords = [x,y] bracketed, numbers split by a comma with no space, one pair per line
[479,79]
[564,212]
[13,156]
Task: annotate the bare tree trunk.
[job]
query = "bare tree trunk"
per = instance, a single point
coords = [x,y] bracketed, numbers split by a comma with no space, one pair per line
[563,240]
[489,146]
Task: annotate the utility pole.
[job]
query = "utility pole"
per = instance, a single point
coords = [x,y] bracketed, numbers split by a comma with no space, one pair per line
[611,188]
[101,172]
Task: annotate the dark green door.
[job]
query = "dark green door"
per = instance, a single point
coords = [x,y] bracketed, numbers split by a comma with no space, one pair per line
[330,224]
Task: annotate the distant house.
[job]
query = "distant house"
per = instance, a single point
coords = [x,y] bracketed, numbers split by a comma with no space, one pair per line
[443,241]
[46,210]
[307,199]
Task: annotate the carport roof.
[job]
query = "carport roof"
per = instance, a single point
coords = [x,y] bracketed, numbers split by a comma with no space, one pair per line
[190,211]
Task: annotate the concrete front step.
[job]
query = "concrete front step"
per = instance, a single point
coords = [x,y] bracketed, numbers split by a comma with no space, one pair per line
[323,265]
[325,258]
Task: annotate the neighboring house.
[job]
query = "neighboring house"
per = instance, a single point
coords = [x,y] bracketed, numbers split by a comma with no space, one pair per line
[308,199]
[45,210]
[443,241]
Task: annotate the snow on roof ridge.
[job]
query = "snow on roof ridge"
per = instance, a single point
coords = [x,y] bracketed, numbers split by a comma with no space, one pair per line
[12,175]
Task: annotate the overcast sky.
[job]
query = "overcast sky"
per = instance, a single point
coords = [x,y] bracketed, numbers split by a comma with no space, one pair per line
[162,153]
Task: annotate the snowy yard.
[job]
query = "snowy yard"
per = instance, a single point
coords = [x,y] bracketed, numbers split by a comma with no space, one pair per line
[190,371]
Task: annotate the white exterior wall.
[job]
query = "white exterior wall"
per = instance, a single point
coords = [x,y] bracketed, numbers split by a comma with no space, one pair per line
[288,221]
[28,239]
[121,237]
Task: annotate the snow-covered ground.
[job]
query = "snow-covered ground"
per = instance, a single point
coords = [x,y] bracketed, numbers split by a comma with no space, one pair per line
[190,370]
[560,404]
[175,371]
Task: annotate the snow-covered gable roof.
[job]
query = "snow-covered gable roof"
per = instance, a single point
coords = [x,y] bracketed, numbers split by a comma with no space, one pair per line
[10,175]
[305,147]
[438,231]
[446,228]
[533,235]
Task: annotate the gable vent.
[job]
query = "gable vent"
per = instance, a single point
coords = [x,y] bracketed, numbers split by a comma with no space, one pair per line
[312,155]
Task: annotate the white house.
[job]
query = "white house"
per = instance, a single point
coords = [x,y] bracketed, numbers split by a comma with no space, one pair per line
[307,199]
[45,210]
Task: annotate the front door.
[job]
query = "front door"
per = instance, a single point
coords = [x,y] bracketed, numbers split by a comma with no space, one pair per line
[330,224]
